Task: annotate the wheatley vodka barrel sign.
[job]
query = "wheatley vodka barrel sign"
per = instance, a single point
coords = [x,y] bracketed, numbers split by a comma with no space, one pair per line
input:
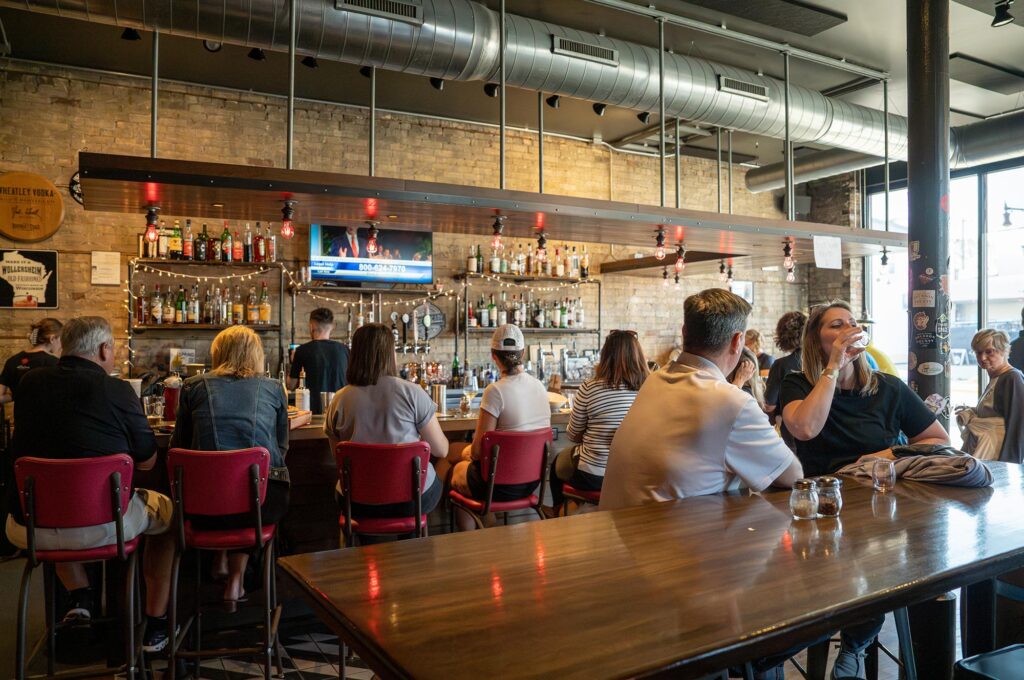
[31,208]
[28,279]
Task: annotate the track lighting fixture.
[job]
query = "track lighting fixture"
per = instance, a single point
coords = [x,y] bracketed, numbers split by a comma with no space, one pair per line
[600,108]
[366,71]
[287,213]
[437,83]
[310,62]
[553,101]
[659,241]
[1002,14]
[680,259]
[491,89]
[371,237]
[256,54]
[644,117]
[130,34]
[499,224]
[152,235]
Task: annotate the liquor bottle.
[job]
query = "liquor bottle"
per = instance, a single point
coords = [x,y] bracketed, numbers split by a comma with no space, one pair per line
[161,247]
[252,308]
[141,306]
[259,245]
[264,306]
[547,267]
[237,251]
[495,261]
[168,299]
[579,313]
[470,318]
[226,307]
[156,307]
[237,308]
[570,313]
[174,242]
[206,309]
[503,310]
[529,262]
[479,260]
[179,305]
[521,257]
[514,313]
[492,312]
[247,244]
[471,261]
[575,270]
[188,245]
[456,381]
[563,315]
[559,264]
[585,264]
[193,305]
[271,246]
[567,263]
[212,246]
[538,315]
[302,393]
[226,244]
[485,313]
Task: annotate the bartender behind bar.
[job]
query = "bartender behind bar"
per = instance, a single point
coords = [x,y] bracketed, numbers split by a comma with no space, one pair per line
[324,360]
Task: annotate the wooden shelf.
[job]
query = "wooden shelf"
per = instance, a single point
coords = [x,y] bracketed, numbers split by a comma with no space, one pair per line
[541,331]
[517,278]
[198,327]
[204,263]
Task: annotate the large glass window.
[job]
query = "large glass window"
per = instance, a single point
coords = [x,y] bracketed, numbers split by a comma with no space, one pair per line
[1004,213]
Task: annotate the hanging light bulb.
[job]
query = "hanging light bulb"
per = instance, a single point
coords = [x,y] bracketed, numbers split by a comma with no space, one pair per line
[371,238]
[542,247]
[728,276]
[664,277]
[659,251]
[787,254]
[791,274]
[677,280]
[287,213]
[499,224]
[885,256]
[152,235]
[680,259]
[721,271]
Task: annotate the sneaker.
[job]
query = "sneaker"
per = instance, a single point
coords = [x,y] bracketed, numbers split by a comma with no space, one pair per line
[849,665]
[79,606]
[156,637]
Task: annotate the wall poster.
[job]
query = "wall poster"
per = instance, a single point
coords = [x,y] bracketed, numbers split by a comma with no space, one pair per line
[28,279]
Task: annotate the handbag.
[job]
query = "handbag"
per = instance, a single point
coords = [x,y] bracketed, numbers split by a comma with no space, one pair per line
[983,437]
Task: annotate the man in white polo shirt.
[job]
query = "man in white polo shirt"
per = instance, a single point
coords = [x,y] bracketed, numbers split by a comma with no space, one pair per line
[710,435]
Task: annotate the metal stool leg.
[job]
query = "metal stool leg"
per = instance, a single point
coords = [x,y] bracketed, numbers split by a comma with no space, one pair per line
[129,616]
[906,643]
[268,631]
[26,582]
[50,596]
[172,618]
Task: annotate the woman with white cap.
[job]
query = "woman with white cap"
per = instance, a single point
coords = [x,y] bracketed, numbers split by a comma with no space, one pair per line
[516,402]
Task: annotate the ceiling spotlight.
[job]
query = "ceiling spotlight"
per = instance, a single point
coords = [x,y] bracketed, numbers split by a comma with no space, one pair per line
[310,62]
[553,100]
[212,46]
[366,71]
[644,117]
[491,89]
[256,54]
[600,108]
[659,242]
[132,34]
[1002,14]
[287,213]
[437,83]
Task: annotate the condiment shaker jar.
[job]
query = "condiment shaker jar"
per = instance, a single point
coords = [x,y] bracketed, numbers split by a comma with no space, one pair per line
[803,501]
[830,496]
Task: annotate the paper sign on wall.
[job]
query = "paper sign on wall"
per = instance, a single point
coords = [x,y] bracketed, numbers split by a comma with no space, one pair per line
[106,268]
[828,252]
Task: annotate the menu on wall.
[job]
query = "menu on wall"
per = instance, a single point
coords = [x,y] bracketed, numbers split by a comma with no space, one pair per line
[28,279]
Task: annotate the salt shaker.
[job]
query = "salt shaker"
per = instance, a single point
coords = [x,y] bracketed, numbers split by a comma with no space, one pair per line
[803,501]
[830,496]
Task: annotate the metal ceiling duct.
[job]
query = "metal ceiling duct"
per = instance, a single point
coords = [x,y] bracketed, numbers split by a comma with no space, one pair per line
[986,141]
[459,40]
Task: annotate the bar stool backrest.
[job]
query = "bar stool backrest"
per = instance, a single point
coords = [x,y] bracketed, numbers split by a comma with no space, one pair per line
[218,483]
[381,473]
[70,493]
[520,455]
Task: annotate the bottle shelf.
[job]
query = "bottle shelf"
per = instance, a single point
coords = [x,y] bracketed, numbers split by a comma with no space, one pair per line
[518,278]
[539,331]
[200,327]
[205,263]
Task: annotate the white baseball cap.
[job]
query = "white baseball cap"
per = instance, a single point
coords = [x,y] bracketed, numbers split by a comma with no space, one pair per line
[508,338]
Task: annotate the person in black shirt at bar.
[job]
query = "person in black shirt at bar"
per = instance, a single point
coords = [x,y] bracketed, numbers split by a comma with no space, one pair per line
[1017,347]
[77,410]
[839,410]
[45,340]
[324,360]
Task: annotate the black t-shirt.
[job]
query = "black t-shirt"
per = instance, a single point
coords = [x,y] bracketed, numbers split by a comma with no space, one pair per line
[764,361]
[857,425]
[325,363]
[20,364]
[779,370]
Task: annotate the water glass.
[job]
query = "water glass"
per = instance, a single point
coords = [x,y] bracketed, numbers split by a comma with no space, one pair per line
[883,475]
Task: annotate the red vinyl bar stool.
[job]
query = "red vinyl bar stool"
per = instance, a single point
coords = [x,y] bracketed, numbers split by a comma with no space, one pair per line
[508,458]
[66,494]
[218,483]
[379,474]
[581,496]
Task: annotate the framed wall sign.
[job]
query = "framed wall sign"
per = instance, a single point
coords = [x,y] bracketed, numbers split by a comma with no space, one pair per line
[28,279]
[745,289]
[31,208]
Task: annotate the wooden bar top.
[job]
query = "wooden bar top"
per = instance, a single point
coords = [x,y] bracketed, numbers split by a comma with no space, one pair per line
[678,588]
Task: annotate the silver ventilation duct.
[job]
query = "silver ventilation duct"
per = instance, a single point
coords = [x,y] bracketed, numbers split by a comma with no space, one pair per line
[986,141]
[458,40]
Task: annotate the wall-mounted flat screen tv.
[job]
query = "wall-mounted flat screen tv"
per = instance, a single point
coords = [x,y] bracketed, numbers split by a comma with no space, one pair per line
[339,254]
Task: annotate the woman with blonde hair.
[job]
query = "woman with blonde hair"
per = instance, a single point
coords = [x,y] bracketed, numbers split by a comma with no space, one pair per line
[746,377]
[234,406]
[752,340]
[994,429]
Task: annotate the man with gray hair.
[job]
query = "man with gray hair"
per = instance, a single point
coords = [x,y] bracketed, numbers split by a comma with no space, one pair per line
[77,410]
[712,436]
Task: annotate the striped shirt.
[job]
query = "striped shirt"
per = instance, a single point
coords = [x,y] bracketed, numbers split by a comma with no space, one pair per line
[597,412]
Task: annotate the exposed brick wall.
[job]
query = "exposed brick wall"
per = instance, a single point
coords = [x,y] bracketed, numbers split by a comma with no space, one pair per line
[837,200]
[49,114]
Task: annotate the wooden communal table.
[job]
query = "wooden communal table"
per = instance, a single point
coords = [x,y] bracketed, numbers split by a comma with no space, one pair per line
[672,589]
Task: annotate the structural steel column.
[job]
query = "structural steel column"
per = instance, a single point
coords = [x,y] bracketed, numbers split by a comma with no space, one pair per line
[928,183]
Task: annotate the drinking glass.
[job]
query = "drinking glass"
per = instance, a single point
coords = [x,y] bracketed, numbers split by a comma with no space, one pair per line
[862,341]
[883,475]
